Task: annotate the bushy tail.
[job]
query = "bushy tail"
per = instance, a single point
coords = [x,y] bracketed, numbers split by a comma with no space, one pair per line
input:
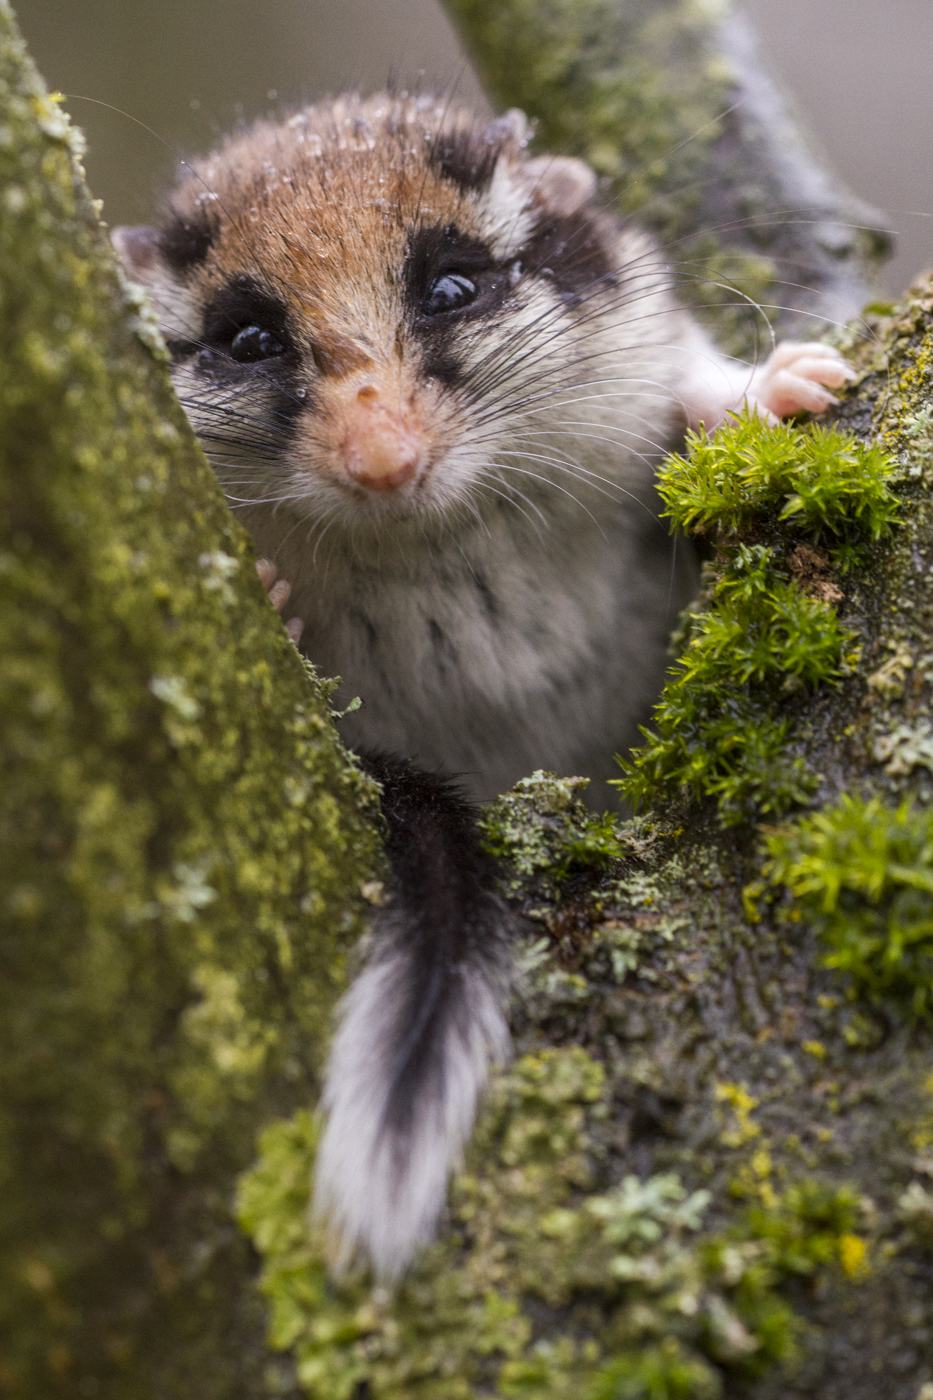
[417,1030]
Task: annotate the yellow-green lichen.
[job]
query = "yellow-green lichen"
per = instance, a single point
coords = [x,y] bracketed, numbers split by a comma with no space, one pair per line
[546,1286]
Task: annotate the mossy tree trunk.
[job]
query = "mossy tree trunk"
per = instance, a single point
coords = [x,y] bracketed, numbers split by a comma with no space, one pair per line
[182,838]
[709,1171]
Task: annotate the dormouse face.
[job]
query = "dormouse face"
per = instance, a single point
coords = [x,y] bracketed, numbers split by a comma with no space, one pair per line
[365,305]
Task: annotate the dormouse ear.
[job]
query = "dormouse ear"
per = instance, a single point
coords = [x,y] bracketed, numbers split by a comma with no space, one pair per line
[560,184]
[138,250]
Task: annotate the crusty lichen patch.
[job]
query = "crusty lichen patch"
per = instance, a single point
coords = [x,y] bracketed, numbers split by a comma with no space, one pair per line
[546,1285]
[541,830]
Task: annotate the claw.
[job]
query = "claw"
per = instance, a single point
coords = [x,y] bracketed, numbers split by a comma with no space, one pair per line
[266,571]
[294,627]
[279,593]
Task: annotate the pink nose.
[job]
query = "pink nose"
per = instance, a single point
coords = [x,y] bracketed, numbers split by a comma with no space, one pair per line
[381,448]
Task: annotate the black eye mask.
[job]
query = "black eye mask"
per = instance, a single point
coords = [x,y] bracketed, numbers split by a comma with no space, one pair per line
[247,322]
[448,271]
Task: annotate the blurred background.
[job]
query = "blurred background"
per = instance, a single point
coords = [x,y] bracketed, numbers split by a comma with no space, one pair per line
[189,69]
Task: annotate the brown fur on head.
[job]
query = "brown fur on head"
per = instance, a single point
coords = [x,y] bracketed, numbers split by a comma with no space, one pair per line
[376,251]
[296,190]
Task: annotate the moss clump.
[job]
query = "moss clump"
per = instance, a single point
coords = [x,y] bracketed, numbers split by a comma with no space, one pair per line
[825,484]
[540,1290]
[717,734]
[863,873]
[810,1227]
[718,731]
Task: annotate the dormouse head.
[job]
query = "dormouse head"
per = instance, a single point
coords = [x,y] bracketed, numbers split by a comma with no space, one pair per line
[364,302]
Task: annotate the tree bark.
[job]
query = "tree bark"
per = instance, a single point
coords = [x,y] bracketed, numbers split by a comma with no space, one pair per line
[183,837]
[708,1171]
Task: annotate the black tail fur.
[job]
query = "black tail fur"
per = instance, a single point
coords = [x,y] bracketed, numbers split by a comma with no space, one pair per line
[417,1029]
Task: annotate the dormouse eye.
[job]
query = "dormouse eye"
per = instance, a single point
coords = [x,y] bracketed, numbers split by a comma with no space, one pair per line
[449,293]
[253,343]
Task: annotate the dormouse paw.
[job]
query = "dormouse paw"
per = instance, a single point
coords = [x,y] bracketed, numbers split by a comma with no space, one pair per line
[279,593]
[798,377]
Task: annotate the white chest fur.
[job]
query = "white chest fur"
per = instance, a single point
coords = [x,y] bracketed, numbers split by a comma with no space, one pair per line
[499,646]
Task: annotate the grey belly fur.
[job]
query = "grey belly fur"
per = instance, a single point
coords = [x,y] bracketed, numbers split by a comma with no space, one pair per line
[509,652]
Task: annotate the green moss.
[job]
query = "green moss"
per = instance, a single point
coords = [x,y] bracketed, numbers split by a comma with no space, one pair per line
[546,1286]
[826,485]
[717,733]
[861,872]
[721,725]
[810,1227]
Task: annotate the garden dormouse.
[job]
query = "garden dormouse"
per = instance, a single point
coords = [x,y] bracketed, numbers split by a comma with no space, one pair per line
[434,378]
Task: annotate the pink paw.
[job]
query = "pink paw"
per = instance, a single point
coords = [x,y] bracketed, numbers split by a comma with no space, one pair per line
[797,377]
[279,593]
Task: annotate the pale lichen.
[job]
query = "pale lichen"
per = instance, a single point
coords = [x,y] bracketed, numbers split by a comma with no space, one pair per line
[543,1286]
